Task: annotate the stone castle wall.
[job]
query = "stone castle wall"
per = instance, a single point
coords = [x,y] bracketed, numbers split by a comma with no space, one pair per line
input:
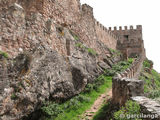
[28,23]
[126,85]
[130,40]
[106,36]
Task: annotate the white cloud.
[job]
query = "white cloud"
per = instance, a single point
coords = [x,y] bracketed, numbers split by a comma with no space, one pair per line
[132,12]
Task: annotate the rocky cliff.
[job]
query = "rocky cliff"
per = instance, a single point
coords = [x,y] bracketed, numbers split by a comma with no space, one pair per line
[51,49]
[48,57]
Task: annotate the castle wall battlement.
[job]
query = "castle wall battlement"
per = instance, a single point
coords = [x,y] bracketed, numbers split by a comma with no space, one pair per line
[130,40]
[69,13]
[106,36]
[126,86]
[138,27]
[87,9]
[97,23]
[37,20]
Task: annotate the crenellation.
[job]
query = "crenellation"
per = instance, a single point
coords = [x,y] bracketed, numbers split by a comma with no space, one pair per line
[115,28]
[96,22]
[139,27]
[110,28]
[120,28]
[108,37]
[86,24]
[125,28]
[87,9]
[130,41]
[38,24]
[106,29]
[131,27]
[103,28]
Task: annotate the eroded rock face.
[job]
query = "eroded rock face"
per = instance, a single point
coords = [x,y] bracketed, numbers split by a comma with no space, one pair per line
[148,107]
[47,62]
[41,74]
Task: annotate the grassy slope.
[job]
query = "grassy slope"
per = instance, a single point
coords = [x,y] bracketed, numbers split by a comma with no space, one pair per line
[76,107]
[72,114]
[106,108]
[152,80]
[102,112]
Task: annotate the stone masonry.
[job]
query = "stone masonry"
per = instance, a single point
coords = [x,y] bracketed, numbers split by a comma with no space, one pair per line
[126,86]
[130,41]
[23,23]
[50,30]
[27,23]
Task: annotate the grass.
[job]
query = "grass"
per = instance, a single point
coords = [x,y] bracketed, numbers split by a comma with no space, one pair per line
[89,50]
[80,45]
[111,111]
[114,52]
[75,37]
[130,108]
[102,112]
[152,80]
[75,107]
[106,107]
[119,67]
[13,96]
[72,113]
[4,54]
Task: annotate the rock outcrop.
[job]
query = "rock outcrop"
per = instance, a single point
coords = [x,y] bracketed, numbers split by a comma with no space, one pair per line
[42,73]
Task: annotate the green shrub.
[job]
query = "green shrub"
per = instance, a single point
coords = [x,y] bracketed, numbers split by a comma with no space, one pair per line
[119,67]
[88,88]
[130,108]
[4,54]
[147,63]
[82,98]
[95,85]
[80,45]
[114,52]
[91,51]
[130,60]
[110,72]
[14,96]
[152,80]
[73,104]
[76,37]
[154,94]
[98,82]
[51,109]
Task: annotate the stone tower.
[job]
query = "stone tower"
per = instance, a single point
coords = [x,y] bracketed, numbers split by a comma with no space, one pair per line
[130,41]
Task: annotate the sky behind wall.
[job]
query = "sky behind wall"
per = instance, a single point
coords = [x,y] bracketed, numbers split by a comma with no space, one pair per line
[132,12]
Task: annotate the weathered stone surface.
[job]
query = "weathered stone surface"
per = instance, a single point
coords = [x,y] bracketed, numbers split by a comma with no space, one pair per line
[130,41]
[54,66]
[43,73]
[27,23]
[124,88]
[149,106]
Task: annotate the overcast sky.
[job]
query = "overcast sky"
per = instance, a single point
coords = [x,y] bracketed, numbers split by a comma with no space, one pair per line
[133,12]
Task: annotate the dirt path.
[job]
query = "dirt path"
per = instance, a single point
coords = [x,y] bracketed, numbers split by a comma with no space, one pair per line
[88,115]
